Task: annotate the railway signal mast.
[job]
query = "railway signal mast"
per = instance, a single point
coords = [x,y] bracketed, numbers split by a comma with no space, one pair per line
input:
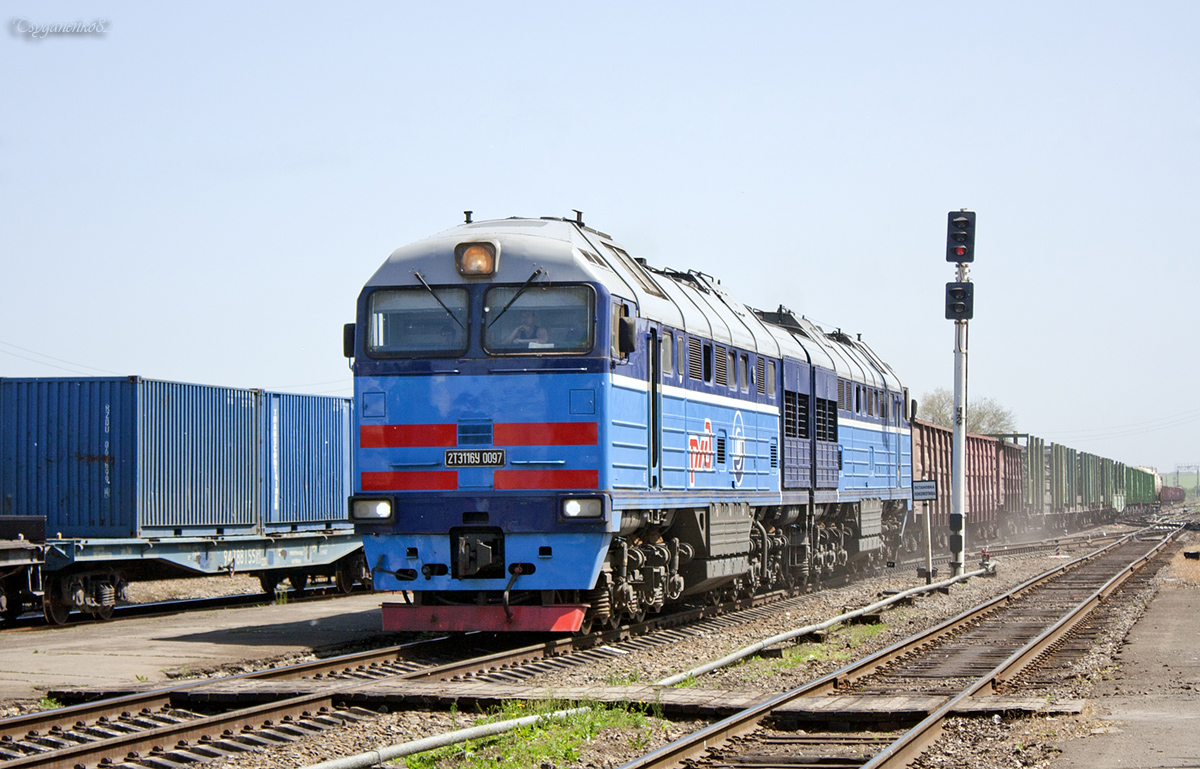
[960,307]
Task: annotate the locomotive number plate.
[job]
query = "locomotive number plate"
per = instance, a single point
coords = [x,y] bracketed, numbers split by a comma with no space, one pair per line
[475,458]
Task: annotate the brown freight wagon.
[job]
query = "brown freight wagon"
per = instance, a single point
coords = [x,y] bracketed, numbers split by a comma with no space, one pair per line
[994,485]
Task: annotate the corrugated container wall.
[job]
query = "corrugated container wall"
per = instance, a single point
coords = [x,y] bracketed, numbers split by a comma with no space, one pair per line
[310,459]
[128,457]
[68,451]
[201,459]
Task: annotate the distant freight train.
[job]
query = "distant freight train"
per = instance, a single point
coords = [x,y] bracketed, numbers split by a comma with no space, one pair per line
[108,480]
[550,434]
[1172,494]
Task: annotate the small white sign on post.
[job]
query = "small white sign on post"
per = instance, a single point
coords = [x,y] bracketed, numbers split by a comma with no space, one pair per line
[924,491]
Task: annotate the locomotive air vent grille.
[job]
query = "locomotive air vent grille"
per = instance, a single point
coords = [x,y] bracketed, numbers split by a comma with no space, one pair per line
[774,455]
[475,434]
[720,449]
[722,367]
[695,358]
[760,370]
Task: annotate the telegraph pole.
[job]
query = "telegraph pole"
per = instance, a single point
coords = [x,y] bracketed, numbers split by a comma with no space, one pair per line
[960,307]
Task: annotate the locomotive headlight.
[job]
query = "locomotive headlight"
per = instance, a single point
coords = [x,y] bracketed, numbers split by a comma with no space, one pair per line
[370,509]
[582,508]
[475,259]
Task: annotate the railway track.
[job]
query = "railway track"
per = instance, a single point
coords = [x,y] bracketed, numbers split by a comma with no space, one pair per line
[140,727]
[166,725]
[959,664]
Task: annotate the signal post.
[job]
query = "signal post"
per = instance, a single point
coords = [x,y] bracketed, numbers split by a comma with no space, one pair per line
[960,307]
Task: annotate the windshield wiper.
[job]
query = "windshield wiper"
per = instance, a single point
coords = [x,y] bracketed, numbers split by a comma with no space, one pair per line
[520,291]
[439,301]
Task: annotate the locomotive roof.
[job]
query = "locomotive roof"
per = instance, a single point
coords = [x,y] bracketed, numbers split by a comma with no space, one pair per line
[567,251]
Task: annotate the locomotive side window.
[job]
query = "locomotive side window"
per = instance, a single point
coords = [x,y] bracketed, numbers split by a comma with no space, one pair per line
[770,379]
[637,271]
[667,355]
[614,343]
[418,323]
[531,321]
[743,373]
[683,367]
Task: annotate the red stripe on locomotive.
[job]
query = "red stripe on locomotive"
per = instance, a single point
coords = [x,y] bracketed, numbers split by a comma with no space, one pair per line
[545,434]
[407,436]
[547,479]
[427,480]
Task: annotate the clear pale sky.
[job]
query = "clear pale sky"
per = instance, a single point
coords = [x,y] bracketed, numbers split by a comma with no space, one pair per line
[199,192]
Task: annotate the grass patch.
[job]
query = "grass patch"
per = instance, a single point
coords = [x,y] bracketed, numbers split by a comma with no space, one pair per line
[691,680]
[49,703]
[838,647]
[557,741]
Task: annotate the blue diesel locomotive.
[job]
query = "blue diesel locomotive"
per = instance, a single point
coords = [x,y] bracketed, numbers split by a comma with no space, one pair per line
[550,434]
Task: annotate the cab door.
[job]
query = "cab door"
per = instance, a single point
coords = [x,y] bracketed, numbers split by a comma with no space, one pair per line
[654,419]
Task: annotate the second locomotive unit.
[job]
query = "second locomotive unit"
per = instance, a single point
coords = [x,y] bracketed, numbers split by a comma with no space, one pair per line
[550,434]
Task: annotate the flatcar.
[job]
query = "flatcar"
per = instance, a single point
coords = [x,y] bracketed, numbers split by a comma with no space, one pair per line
[550,433]
[134,479]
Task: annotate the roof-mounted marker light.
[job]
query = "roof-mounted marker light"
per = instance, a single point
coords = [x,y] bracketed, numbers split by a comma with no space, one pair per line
[475,260]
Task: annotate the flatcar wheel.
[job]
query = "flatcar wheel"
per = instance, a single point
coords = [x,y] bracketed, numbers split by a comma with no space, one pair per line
[344,579]
[56,611]
[299,581]
[269,582]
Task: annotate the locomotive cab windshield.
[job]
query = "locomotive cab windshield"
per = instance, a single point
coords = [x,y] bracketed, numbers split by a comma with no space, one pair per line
[416,322]
[529,321]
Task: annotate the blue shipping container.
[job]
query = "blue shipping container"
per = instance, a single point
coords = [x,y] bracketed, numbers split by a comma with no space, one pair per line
[132,457]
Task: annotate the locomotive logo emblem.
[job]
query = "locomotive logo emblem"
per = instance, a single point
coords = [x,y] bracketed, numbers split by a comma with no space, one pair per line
[738,449]
[700,452]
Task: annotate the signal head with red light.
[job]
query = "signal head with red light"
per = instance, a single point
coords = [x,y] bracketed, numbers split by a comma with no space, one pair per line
[960,236]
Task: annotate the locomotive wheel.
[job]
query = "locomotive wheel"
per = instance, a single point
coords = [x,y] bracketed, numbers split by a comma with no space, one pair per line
[637,617]
[269,581]
[105,612]
[56,611]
